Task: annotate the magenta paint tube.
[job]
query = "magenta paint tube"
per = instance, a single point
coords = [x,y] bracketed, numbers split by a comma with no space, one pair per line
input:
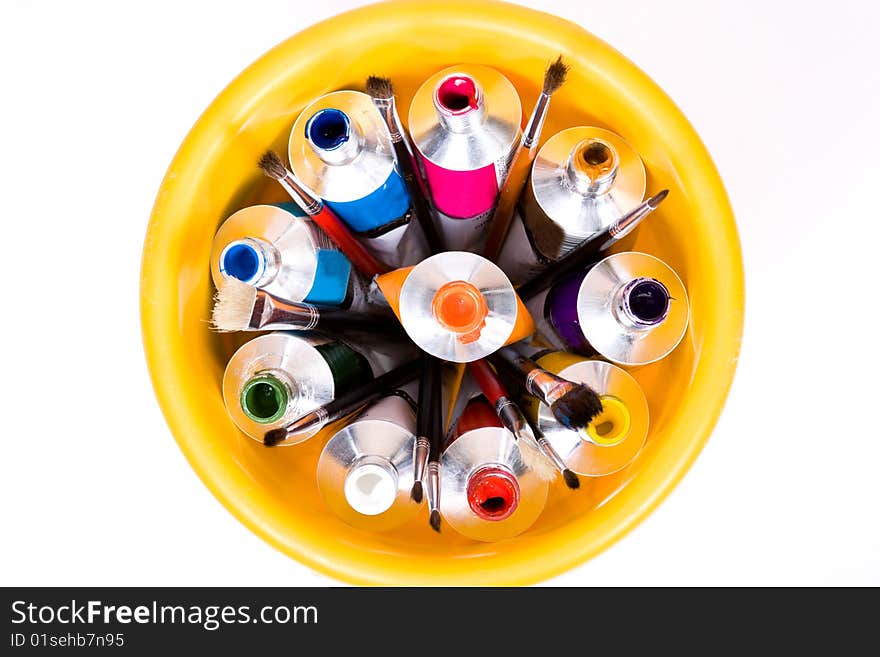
[465,125]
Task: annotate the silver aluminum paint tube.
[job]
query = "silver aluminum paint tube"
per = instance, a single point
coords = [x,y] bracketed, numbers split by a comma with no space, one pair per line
[583,180]
[465,125]
[275,378]
[365,471]
[279,250]
[340,147]
[630,308]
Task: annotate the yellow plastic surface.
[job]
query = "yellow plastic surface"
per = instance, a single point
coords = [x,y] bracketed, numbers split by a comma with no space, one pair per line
[273,491]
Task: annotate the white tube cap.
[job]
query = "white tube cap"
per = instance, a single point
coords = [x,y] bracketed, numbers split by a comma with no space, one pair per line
[371,488]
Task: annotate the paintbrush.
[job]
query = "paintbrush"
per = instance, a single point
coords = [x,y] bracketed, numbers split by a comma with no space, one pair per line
[518,173]
[428,390]
[313,206]
[515,386]
[568,475]
[345,403]
[435,441]
[590,250]
[382,92]
[242,307]
[574,405]
[512,418]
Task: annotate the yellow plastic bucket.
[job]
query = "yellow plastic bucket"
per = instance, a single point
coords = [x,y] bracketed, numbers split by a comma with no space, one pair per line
[214,174]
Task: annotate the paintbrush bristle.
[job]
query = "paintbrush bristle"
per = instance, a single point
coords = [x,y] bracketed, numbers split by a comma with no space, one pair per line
[417,492]
[571,479]
[434,520]
[535,459]
[275,436]
[554,76]
[577,407]
[233,306]
[380,88]
[657,199]
[272,165]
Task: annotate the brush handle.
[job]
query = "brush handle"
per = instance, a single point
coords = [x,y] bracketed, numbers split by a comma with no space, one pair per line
[590,251]
[426,397]
[342,321]
[418,190]
[517,174]
[540,383]
[488,381]
[515,363]
[510,193]
[583,256]
[545,446]
[355,251]
[435,430]
[351,401]
[273,314]
[508,412]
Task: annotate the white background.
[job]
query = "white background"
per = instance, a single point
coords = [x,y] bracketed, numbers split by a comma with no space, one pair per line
[96,98]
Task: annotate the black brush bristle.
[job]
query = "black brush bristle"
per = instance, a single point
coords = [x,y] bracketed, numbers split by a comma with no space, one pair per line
[657,199]
[272,165]
[435,521]
[417,492]
[577,408]
[555,75]
[379,87]
[275,436]
[571,479]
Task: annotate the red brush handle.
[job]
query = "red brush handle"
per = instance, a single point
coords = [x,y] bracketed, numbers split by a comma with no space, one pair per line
[353,250]
[488,381]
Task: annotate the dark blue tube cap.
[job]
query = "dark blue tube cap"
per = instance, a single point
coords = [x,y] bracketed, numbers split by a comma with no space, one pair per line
[328,129]
[648,300]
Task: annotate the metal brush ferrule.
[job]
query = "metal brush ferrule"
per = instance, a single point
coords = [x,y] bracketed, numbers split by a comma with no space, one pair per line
[510,415]
[432,490]
[628,222]
[274,314]
[536,121]
[388,109]
[421,449]
[548,451]
[312,421]
[546,385]
[396,128]
[303,196]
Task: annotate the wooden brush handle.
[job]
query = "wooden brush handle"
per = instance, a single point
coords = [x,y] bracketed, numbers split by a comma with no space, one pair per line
[488,381]
[513,186]
[337,231]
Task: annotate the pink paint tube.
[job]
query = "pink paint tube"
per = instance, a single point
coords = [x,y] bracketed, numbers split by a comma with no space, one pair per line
[465,125]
